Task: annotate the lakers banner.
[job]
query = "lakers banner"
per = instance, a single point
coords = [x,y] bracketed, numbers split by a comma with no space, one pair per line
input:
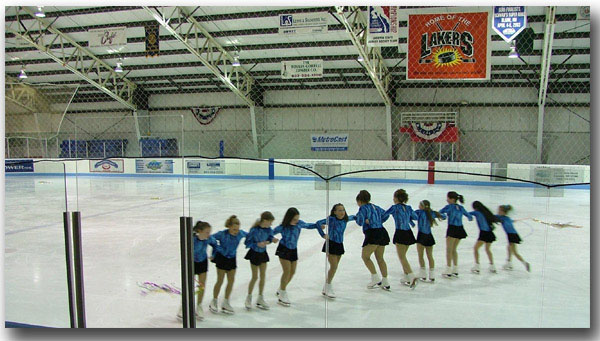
[449,46]
[152,39]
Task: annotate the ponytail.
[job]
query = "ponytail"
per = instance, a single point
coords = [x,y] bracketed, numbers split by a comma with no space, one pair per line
[506,208]
[428,211]
[456,196]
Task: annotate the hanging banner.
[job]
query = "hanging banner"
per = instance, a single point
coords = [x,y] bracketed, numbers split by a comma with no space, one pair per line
[205,116]
[329,142]
[152,39]
[449,46]
[303,23]
[154,166]
[509,21]
[431,132]
[302,69]
[107,37]
[383,26]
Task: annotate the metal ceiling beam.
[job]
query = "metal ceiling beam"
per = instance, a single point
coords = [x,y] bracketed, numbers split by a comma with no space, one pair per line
[108,81]
[373,61]
[21,94]
[202,45]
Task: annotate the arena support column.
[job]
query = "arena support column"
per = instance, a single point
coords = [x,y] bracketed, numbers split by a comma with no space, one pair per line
[544,75]
[254,135]
[388,127]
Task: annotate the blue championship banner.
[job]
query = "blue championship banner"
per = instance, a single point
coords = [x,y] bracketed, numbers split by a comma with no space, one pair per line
[14,166]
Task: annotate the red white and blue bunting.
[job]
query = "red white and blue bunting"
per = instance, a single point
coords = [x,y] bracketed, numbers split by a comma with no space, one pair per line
[429,131]
[205,116]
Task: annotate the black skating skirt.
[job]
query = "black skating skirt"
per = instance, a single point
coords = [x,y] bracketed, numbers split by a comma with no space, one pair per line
[514,238]
[378,236]
[224,263]
[334,248]
[285,253]
[457,232]
[425,239]
[487,236]
[404,237]
[200,267]
[257,258]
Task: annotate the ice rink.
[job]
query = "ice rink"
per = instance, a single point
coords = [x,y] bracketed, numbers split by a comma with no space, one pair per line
[131,235]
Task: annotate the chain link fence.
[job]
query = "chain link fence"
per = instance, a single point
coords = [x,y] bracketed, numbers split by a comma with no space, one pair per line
[427,109]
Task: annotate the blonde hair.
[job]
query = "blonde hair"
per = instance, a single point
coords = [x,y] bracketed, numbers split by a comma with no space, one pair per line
[231,220]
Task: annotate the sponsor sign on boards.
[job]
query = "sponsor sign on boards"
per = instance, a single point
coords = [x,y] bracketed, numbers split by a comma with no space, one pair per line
[154,166]
[206,167]
[14,166]
[107,166]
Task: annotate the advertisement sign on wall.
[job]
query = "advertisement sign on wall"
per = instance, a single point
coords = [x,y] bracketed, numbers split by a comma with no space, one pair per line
[107,166]
[449,46]
[303,23]
[154,166]
[206,167]
[329,142]
[302,69]
[383,26]
[13,166]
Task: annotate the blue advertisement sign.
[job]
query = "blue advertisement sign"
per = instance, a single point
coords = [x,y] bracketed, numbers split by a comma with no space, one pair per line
[154,166]
[509,21]
[13,166]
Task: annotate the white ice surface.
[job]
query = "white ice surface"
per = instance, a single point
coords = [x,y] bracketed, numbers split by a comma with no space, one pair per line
[131,235]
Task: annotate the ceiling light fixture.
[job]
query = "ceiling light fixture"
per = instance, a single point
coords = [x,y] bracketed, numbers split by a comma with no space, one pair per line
[119,68]
[360,58]
[22,74]
[513,51]
[40,12]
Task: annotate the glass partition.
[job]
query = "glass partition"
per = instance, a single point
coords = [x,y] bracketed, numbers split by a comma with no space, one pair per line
[35,277]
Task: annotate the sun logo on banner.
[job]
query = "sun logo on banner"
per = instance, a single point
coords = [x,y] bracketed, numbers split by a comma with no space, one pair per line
[446,56]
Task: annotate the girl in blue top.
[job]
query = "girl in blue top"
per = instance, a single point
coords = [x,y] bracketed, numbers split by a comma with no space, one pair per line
[371,218]
[455,231]
[224,258]
[485,221]
[425,220]
[287,249]
[513,237]
[202,239]
[260,235]
[403,237]
[334,243]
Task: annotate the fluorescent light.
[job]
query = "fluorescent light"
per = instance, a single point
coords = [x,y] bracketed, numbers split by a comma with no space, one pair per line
[40,12]
[22,75]
[119,68]
[360,58]
[513,52]
[236,61]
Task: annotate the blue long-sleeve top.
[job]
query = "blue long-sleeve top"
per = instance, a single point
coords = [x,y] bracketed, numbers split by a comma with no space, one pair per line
[200,247]
[403,216]
[257,235]
[228,243]
[481,222]
[455,213]
[290,234]
[374,213]
[507,223]
[336,227]
[423,222]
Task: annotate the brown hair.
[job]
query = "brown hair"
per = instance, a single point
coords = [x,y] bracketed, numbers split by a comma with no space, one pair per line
[345,218]
[506,208]
[401,195]
[456,196]
[427,208]
[230,221]
[201,226]
[289,215]
[266,215]
[364,196]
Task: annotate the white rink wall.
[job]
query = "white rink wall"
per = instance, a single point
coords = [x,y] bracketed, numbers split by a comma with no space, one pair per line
[261,169]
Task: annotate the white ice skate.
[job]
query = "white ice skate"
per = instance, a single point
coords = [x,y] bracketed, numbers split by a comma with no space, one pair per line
[199,313]
[507,266]
[375,282]
[447,273]
[213,306]
[527,266]
[455,271]
[283,298]
[260,303]
[328,291]
[475,269]
[493,269]
[226,307]
[248,303]
[422,275]
[385,285]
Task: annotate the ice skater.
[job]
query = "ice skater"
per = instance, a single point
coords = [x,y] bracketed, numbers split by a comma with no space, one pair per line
[403,237]
[259,236]
[287,250]
[224,258]
[202,239]
[334,243]
[370,217]
[425,241]
[513,237]
[485,221]
[455,231]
